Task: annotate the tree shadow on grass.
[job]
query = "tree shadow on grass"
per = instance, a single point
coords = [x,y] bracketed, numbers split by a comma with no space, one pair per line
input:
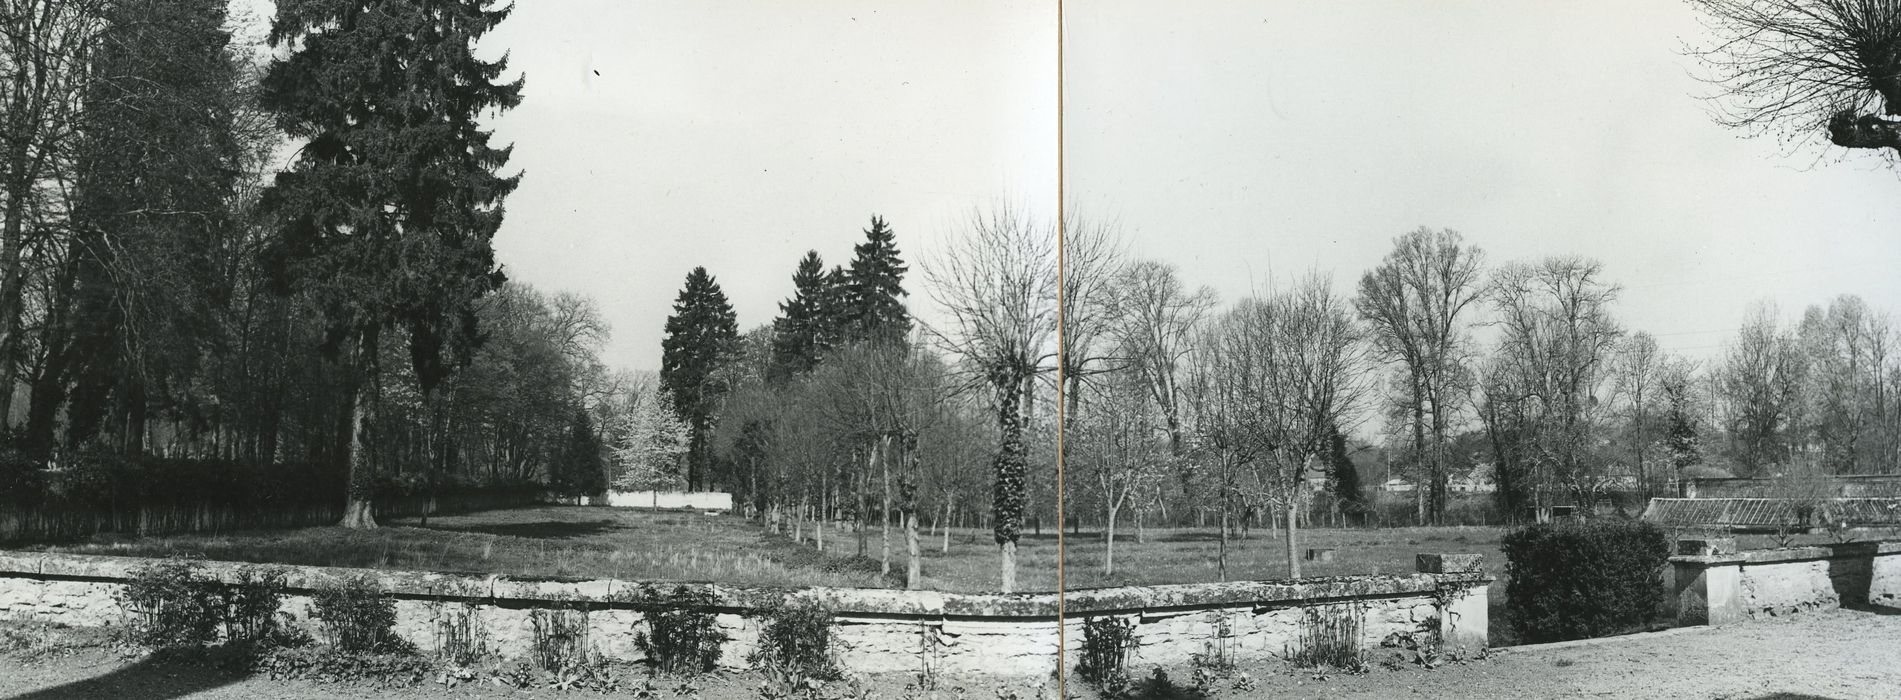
[1792,696]
[544,530]
[146,678]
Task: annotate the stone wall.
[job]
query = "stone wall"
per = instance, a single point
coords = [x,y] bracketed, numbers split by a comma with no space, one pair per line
[878,630]
[1716,584]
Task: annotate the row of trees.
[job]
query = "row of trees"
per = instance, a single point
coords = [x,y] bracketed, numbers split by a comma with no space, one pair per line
[1520,372]
[167,290]
[843,409]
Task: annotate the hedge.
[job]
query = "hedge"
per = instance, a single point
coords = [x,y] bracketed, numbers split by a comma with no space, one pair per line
[1591,578]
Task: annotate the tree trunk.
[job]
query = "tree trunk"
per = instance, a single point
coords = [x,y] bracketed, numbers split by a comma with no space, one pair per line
[1109,542]
[1221,550]
[1293,542]
[914,561]
[947,527]
[884,513]
[359,509]
[1009,557]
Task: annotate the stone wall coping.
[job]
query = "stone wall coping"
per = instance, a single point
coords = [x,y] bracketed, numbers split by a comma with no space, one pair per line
[871,602]
[1794,554]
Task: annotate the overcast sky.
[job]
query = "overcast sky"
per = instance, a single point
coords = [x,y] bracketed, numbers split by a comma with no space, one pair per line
[1246,142]
[658,136]
[1249,142]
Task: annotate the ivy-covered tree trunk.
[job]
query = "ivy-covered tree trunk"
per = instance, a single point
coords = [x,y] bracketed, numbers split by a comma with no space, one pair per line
[1012,468]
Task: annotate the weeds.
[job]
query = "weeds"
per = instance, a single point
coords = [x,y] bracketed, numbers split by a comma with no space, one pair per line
[460,638]
[560,638]
[1330,635]
[1107,642]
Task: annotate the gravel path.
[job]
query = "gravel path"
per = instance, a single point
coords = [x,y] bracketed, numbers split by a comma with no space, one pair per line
[1834,654]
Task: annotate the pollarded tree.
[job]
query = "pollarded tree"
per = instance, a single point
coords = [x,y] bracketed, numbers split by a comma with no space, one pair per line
[874,306]
[1803,67]
[386,216]
[702,336]
[997,285]
[1416,303]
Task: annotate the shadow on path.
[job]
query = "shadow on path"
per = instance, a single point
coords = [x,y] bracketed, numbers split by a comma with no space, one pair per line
[145,678]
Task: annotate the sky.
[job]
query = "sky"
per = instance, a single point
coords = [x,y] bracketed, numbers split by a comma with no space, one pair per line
[660,136]
[1252,142]
[655,137]
[1246,142]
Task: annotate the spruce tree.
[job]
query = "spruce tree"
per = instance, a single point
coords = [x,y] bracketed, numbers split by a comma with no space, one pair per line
[835,311]
[1681,435]
[1343,477]
[802,320]
[874,306]
[702,334]
[581,469]
[385,217]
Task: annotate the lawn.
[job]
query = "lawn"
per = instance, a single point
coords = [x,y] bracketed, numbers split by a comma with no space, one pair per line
[605,543]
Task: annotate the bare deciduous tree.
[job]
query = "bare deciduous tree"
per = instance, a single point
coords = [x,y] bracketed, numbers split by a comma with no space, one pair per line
[1636,373]
[1121,447]
[1557,336]
[1760,383]
[1157,319]
[1092,259]
[997,285]
[1415,303]
[1285,372]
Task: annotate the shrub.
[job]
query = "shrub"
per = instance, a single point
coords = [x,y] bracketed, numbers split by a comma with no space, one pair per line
[358,617]
[250,606]
[795,643]
[1105,654]
[173,605]
[681,634]
[1583,579]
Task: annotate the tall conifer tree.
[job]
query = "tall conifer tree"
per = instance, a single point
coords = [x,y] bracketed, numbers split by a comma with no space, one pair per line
[796,333]
[386,216]
[702,334]
[875,284]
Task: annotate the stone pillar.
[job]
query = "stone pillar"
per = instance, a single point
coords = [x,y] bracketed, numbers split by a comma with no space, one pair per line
[1465,619]
[1708,582]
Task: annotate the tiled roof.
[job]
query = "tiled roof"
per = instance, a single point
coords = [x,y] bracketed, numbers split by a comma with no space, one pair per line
[1770,512]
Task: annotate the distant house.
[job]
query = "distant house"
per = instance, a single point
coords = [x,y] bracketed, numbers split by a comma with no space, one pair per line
[1395,484]
[1476,480]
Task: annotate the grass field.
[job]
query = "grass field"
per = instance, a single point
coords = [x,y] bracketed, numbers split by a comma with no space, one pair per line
[605,542]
